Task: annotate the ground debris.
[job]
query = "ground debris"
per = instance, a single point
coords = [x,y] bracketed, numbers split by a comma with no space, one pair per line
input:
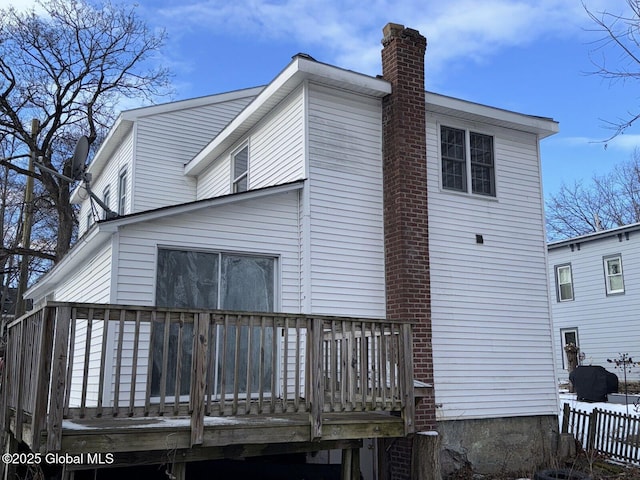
[597,467]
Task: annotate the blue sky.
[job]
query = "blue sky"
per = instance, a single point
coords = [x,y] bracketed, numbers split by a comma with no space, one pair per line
[531,56]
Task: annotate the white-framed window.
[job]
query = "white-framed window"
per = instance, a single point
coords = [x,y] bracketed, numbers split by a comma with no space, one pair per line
[240,170]
[467,155]
[614,280]
[567,336]
[122,192]
[89,220]
[106,199]
[564,283]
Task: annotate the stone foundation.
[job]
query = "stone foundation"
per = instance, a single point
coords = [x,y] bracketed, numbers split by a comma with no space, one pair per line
[498,445]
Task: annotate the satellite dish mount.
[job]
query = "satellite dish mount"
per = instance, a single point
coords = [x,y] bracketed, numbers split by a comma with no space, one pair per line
[78,167]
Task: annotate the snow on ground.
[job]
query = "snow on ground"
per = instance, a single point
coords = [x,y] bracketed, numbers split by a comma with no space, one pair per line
[570,398]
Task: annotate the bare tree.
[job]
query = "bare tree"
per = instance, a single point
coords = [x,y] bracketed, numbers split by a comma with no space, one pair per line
[616,55]
[610,200]
[68,67]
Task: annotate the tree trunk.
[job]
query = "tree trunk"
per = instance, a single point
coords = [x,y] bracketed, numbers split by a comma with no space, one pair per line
[66,222]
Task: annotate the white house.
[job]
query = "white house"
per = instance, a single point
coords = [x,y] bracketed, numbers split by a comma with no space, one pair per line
[278,199]
[595,279]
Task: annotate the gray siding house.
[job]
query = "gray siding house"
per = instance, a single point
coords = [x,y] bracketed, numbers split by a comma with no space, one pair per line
[595,297]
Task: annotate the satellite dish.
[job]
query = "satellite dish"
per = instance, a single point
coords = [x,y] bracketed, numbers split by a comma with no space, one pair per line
[79,157]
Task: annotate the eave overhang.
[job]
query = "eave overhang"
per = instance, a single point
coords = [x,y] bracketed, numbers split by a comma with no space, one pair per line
[476,112]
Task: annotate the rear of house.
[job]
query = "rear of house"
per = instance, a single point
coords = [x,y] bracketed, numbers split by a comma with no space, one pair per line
[595,281]
[262,257]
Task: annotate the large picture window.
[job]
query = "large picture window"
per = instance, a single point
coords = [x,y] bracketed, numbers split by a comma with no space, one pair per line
[209,280]
[466,155]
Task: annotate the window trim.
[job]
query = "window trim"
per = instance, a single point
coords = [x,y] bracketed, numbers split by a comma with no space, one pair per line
[468,165]
[607,284]
[563,343]
[122,192]
[556,270]
[237,179]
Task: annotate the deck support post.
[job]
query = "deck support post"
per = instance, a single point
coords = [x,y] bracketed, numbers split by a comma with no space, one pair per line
[199,379]
[425,456]
[350,464]
[316,391]
[57,400]
[179,471]
[9,469]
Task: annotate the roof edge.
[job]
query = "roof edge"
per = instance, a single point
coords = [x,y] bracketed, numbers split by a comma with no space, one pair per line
[594,236]
[301,68]
[543,126]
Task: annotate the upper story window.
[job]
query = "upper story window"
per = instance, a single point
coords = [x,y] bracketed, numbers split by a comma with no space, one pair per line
[613,274]
[240,170]
[564,283]
[465,155]
[106,199]
[122,192]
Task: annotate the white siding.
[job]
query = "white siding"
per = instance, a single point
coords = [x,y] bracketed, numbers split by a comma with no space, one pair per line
[276,153]
[346,224]
[491,322]
[119,162]
[166,142]
[91,283]
[607,325]
[267,226]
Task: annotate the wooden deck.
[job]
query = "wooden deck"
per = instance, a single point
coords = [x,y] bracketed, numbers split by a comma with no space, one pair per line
[137,381]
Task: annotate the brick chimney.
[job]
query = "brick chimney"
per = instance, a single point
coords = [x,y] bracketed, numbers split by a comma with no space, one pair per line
[405,199]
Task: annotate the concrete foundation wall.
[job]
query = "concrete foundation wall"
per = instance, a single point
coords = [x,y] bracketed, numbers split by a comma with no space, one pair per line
[498,445]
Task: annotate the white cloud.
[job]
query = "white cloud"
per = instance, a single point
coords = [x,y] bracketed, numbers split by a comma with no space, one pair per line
[350,31]
[624,143]
[20,5]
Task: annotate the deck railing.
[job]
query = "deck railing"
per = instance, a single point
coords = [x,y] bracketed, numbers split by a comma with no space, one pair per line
[76,361]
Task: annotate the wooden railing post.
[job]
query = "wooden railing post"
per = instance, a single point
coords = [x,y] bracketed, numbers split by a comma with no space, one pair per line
[406,378]
[591,433]
[316,393]
[39,420]
[58,378]
[199,377]
[565,418]
[19,368]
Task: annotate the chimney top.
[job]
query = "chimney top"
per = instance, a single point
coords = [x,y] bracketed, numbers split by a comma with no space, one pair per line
[396,30]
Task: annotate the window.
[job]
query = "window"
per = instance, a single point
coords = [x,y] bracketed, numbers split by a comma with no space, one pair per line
[456,145]
[89,220]
[613,274]
[240,166]
[564,283]
[106,199]
[122,192]
[210,280]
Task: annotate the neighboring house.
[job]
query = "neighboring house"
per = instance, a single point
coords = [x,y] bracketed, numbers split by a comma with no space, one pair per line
[333,199]
[595,296]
